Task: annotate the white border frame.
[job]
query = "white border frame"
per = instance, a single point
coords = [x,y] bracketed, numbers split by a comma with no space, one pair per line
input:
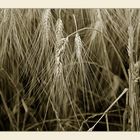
[69,3]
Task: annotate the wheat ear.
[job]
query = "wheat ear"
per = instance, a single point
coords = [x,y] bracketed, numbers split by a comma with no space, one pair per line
[60,47]
[97,26]
[78,47]
[46,21]
[133,84]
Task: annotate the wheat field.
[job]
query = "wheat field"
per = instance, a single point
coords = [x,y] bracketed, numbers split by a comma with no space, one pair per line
[69,69]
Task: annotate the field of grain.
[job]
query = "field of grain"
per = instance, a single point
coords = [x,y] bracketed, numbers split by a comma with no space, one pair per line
[69,69]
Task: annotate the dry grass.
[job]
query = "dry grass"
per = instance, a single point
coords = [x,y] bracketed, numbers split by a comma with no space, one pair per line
[65,69]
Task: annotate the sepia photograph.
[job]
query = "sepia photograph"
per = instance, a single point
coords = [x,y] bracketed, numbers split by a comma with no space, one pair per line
[69,70]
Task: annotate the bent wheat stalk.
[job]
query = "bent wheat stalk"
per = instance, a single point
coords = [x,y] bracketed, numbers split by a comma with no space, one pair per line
[125,90]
